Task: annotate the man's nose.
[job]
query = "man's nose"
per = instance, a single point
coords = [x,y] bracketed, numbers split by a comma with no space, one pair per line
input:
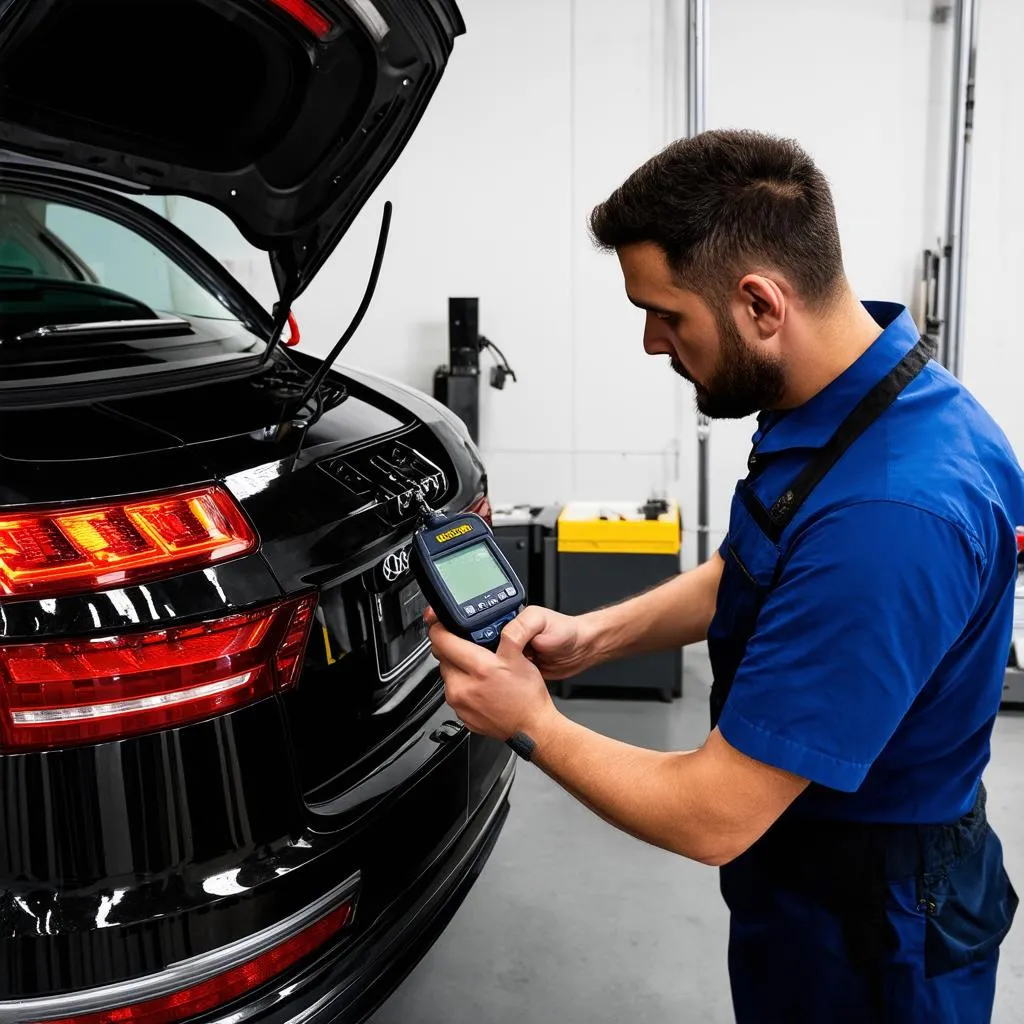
[656,341]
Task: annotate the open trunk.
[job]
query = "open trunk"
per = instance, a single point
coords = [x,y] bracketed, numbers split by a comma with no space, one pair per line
[283,114]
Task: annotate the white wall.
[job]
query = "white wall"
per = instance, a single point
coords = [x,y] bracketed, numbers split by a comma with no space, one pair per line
[483,207]
[869,96]
[547,105]
[852,84]
[993,349]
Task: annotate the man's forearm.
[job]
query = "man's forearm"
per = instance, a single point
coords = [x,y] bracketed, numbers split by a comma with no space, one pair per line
[672,615]
[685,802]
[615,765]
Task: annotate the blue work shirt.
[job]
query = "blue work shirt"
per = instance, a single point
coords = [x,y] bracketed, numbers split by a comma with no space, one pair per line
[876,666]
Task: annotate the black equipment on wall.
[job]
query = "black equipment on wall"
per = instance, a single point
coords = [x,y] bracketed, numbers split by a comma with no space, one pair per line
[457,385]
[464,335]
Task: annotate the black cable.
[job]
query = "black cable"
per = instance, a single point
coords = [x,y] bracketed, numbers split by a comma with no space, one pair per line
[487,343]
[371,286]
[318,411]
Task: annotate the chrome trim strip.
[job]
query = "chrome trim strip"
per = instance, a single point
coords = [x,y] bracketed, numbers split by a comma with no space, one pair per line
[169,698]
[308,1013]
[176,976]
[406,664]
[410,659]
[407,687]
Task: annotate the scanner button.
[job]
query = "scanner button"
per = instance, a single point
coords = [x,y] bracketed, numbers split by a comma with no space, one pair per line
[489,633]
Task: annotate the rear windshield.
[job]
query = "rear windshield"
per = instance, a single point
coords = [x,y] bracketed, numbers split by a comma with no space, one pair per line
[217,235]
[60,264]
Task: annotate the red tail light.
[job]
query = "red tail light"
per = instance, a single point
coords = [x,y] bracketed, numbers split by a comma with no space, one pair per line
[482,507]
[91,547]
[222,989]
[306,15]
[64,692]
[1020,540]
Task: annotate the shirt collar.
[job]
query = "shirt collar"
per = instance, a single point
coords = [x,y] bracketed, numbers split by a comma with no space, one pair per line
[811,425]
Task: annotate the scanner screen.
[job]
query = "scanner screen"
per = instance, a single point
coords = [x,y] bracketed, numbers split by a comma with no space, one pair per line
[471,572]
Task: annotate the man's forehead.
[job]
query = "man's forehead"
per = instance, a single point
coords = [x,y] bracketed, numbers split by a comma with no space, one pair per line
[650,281]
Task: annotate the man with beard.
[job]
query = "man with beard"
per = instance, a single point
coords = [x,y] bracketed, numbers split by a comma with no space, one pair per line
[857,615]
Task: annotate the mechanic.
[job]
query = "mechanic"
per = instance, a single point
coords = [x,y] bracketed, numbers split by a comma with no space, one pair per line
[857,615]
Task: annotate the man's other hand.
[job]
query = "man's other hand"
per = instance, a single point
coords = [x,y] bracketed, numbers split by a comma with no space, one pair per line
[559,645]
[496,694]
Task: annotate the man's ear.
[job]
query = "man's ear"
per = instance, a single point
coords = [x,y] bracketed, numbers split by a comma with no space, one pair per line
[764,304]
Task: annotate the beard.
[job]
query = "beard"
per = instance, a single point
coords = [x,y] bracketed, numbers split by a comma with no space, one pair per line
[744,382]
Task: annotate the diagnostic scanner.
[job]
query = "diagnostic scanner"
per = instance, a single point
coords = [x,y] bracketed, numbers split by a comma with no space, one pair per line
[464,575]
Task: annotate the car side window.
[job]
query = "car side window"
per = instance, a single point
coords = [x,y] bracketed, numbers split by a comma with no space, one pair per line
[17,258]
[127,263]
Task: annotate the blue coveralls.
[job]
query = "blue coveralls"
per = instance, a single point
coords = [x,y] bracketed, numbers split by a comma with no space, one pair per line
[860,641]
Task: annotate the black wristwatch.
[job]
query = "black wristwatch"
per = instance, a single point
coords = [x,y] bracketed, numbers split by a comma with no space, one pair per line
[522,745]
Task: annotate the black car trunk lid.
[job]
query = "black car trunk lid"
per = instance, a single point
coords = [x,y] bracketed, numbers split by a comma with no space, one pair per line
[284,114]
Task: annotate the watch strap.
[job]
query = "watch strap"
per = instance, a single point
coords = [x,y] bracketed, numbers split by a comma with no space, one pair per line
[523,745]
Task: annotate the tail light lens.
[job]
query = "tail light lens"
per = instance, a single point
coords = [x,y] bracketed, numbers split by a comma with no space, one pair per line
[65,692]
[482,507]
[92,547]
[222,989]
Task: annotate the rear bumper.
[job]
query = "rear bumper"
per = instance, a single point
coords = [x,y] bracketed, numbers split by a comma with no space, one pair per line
[347,980]
[346,985]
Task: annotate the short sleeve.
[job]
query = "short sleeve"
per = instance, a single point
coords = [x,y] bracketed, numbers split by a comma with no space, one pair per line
[870,599]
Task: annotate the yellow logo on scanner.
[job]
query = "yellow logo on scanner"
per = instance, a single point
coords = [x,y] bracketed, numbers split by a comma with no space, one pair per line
[457,531]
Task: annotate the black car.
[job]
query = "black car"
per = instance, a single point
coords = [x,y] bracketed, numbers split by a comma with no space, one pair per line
[230,788]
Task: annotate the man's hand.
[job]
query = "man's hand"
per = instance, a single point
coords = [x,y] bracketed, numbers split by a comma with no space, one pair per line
[496,694]
[559,645]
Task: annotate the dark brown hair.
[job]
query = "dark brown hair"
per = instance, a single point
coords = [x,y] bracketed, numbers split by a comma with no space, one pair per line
[725,203]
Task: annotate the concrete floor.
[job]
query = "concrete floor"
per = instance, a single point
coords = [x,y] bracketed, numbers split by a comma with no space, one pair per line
[572,921]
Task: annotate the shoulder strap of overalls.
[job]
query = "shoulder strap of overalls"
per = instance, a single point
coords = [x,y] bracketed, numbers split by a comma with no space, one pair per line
[774,520]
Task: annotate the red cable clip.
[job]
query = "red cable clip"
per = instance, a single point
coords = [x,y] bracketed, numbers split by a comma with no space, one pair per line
[293,331]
